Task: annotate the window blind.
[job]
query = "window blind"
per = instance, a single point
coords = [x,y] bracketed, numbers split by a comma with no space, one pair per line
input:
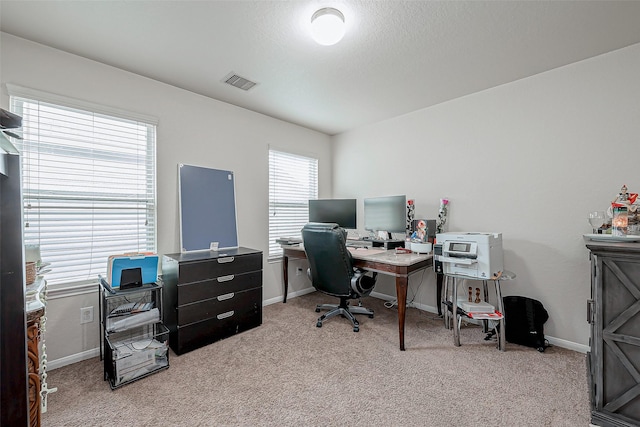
[293,180]
[89,187]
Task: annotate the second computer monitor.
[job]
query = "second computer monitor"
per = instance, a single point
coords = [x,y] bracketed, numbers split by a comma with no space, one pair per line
[338,211]
[386,214]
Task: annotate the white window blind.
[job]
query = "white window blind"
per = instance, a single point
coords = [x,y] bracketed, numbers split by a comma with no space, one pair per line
[293,180]
[89,187]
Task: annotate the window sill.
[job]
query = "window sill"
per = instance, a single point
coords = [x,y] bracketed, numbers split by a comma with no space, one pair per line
[66,291]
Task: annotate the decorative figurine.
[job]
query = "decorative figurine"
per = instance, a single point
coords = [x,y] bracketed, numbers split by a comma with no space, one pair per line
[624,198]
[470,293]
[477,296]
[624,203]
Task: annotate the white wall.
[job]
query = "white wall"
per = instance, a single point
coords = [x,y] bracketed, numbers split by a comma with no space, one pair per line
[528,159]
[192,129]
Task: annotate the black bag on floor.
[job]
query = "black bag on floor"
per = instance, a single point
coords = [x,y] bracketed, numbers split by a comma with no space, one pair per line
[524,322]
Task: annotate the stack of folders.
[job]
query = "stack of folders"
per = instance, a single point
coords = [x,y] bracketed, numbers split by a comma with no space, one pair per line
[147,262]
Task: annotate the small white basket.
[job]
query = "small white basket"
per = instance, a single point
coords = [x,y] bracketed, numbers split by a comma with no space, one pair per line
[421,247]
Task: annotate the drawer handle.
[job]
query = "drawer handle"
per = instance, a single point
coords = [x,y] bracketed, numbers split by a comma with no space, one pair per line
[225,260]
[225,296]
[225,278]
[225,315]
[590,313]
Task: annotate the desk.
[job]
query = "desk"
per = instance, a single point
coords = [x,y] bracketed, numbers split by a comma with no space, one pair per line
[399,266]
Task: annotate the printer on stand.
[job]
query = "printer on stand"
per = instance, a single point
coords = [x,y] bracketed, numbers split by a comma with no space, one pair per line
[471,254]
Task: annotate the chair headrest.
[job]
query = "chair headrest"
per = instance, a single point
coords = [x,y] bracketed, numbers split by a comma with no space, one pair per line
[321,226]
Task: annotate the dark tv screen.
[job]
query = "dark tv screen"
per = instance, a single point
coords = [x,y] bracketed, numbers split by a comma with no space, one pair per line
[338,211]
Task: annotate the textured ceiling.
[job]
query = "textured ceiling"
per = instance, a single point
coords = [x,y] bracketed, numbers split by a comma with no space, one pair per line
[396,56]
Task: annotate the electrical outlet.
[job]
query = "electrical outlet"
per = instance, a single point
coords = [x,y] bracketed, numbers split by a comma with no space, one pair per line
[86,315]
[299,271]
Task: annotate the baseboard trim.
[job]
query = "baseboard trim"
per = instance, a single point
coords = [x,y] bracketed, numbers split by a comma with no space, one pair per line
[558,342]
[289,296]
[88,354]
[570,345]
[74,358]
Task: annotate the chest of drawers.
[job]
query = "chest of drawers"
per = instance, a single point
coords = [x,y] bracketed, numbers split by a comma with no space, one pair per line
[211,295]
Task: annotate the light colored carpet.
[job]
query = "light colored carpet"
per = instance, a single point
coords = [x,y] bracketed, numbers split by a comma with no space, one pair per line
[288,372]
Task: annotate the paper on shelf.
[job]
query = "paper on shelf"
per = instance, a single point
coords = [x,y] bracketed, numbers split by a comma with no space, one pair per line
[138,319]
[496,315]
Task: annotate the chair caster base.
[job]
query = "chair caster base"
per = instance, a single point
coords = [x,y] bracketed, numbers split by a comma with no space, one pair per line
[343,310]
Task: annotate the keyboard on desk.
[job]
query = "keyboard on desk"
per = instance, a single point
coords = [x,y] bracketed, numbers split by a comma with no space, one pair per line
[358,243]
[288,241]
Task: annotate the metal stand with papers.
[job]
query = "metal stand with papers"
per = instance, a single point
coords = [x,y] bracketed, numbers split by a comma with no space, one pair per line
[472,256]
[452,317]
[133,339]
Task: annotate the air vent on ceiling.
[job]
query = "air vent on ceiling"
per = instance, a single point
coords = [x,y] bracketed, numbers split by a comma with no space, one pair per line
[240,82]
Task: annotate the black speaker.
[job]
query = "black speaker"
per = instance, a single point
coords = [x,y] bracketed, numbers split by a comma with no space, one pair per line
[437,265]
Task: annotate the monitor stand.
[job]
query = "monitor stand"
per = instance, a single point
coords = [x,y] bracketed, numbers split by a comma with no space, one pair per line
[387,244]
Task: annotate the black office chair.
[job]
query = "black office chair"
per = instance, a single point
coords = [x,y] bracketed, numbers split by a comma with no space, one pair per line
[331,271]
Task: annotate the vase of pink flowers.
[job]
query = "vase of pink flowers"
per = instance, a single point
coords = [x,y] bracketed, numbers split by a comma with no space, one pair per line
[442,216]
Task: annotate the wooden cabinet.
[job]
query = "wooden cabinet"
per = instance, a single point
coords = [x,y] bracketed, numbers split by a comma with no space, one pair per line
[211,295]
[614,315]
[36,302]
[14,393]
[33,365]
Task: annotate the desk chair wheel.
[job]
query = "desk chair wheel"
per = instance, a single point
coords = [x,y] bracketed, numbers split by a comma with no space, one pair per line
[356,329]
[317,310]
[371,315]
[319,324]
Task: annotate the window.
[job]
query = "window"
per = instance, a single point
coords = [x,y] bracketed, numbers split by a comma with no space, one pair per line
[88,184]
[293,180]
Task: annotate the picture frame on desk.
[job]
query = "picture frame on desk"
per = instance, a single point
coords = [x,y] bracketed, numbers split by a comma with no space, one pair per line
[429,229]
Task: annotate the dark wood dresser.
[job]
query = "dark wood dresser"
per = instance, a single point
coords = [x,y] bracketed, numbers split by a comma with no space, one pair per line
[211,295]
[614,315]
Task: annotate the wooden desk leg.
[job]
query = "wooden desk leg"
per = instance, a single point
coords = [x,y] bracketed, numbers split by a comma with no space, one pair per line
[285,276]
[402,283]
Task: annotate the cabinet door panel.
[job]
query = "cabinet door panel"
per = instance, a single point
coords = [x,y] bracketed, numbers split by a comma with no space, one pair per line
[217,267]
[212,288]
[620,332]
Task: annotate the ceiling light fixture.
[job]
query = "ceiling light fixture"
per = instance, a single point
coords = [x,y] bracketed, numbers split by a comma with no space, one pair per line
[327,26]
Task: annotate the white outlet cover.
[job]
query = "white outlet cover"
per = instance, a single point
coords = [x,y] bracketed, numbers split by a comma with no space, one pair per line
[86,315]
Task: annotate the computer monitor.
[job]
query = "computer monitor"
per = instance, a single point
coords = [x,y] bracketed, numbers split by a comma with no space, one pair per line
[386,214]
[338,211]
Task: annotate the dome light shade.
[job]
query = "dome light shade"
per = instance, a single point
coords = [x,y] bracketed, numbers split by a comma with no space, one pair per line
[327,26]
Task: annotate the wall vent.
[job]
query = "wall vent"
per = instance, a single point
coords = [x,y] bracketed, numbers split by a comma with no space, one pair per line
[240,82]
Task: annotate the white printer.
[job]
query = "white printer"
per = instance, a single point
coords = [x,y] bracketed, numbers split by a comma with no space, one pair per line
[472,254]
